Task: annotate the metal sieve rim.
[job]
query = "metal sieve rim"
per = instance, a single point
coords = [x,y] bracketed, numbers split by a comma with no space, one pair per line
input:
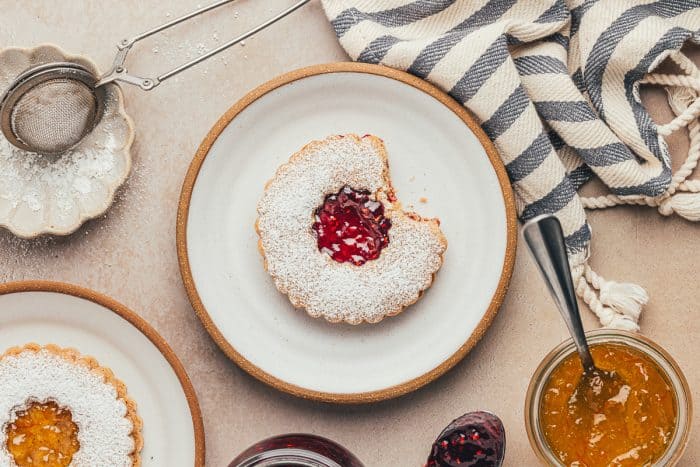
[37,75]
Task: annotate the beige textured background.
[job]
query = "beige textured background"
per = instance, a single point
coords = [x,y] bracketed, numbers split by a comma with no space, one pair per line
[130,253]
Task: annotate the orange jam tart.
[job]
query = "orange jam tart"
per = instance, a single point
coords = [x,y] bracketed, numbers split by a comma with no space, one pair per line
[59,408]
[632,428]
[42,435]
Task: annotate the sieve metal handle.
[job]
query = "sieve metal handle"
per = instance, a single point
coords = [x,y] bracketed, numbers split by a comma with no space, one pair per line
[118,72]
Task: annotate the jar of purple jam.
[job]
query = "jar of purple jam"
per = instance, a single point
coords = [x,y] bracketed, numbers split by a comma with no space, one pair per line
[296,450]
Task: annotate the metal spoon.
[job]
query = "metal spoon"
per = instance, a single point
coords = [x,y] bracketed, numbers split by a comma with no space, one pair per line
[545,239]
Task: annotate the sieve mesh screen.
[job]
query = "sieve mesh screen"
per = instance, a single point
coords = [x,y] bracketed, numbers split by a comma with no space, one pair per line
[54,115]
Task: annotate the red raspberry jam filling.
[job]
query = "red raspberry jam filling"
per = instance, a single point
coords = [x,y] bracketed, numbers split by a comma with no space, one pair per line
[350,226]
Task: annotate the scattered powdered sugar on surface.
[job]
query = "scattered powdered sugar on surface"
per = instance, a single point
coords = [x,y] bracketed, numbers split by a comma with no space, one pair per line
[173,48]
[312,279]
[104,432]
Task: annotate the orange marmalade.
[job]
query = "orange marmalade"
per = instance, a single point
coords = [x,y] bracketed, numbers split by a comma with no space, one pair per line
[633,428]
[43,435]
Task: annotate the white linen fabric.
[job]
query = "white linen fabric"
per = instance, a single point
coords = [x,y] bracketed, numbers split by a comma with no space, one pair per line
[555,85]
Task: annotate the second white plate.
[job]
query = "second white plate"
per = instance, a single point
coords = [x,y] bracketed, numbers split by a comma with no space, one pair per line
[70,316]
[436,151]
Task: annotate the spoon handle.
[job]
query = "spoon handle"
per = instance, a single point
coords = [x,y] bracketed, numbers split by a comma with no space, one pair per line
[544,237]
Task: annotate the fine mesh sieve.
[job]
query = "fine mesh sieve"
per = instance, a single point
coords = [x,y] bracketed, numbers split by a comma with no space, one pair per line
[50,108]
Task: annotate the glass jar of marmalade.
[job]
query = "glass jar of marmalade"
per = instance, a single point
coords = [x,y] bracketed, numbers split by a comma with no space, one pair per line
[296,450]
[646,423]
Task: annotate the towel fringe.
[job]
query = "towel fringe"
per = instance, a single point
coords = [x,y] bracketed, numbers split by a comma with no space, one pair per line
[625,298]
[686,205]
[617,305]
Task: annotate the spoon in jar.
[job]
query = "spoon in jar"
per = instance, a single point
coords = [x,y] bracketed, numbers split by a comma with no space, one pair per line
[545,239]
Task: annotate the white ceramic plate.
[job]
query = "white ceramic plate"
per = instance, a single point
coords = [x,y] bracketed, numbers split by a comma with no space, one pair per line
[436,151]
[51,313]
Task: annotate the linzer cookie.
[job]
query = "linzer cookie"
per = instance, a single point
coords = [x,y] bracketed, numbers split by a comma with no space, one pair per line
[335,239]
[59,409]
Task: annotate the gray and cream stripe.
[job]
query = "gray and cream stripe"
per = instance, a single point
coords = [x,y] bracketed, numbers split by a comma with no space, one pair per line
[555,85]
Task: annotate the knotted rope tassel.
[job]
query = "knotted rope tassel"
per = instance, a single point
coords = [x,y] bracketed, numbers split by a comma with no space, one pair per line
[617,305]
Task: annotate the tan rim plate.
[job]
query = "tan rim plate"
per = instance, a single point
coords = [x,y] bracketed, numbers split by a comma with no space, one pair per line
[88,335]
[247,110]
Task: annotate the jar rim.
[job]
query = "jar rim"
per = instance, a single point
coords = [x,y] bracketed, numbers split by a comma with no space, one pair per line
[288,457]
[295,449]
[661,357]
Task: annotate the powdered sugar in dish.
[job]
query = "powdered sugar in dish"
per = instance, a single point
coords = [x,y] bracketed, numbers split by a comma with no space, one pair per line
[55,194]
[312,279]
[104,431]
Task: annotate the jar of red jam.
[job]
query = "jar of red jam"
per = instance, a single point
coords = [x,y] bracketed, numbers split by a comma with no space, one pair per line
[296,450]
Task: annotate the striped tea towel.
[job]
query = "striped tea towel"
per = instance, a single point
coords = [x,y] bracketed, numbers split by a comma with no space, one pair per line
[555,85]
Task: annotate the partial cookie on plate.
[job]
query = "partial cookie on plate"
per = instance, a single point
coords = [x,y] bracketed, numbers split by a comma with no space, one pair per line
[59,408]
[335,238]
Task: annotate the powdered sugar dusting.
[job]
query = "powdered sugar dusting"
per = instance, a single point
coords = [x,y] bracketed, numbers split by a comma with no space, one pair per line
[56,194]
[311,279]
[104,432]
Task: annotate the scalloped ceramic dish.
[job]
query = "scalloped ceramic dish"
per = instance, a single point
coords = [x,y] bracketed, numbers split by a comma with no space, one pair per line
[57,194]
